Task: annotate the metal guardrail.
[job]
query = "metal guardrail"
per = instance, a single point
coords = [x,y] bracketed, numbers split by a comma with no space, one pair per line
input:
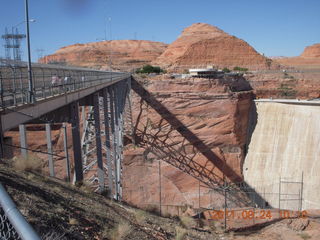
[13,225]
[48,81]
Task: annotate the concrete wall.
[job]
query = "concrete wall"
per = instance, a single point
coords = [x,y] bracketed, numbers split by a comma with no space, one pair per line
[285,142]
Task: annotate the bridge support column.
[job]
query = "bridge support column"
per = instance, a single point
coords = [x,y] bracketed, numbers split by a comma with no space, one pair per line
[76,142]
[116,92]
[50,152]
[120,90]
[106,102]
[114,138]
[121,99]
[98,141]
[23,140]
[65,145]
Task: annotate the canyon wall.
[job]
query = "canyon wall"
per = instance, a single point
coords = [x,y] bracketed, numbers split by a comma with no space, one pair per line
[285,144]
[291,84]
[196,128]
[123,55]
[311,51]
[309,59]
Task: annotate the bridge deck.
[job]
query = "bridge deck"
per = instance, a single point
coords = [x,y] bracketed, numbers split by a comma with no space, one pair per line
[54,87]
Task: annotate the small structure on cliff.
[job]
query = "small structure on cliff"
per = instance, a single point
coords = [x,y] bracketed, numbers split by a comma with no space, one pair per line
[205,72]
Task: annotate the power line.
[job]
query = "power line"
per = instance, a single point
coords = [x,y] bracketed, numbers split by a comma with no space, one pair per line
[32,150]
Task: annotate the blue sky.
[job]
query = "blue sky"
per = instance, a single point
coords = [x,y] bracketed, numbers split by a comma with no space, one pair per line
[272,27]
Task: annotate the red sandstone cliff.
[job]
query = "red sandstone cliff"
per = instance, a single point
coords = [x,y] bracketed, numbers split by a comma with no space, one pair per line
[199,45]
[197,128]
[300,81]
[125,54]
[311,51]
[203,44]
[309,59]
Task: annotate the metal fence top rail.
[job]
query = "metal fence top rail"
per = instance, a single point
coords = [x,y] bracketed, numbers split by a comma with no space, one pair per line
[315,102]
[15,218]
[20,64]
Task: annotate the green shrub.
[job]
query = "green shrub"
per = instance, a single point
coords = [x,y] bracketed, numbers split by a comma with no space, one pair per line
[286,91]
[240,69]
[150,69]
[226,70]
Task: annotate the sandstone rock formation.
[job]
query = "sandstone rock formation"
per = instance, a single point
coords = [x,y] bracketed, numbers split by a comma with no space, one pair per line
[311,51]
[301,84]
[203,44]
[197,128]
[309,59]
[123,54]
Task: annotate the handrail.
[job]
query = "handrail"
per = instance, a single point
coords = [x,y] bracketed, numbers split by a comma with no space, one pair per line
[48,81]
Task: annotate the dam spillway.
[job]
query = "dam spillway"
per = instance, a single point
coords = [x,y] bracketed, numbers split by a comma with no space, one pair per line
[283,158]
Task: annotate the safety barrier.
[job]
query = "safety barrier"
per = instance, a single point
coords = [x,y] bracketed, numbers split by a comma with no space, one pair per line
[13,225]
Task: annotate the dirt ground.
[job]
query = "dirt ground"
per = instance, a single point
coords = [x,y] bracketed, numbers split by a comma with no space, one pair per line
[58,209]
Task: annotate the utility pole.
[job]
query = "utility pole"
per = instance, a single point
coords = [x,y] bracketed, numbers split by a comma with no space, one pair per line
[160,200]
[110,47]
[199,212]
[31,97]
[301,196]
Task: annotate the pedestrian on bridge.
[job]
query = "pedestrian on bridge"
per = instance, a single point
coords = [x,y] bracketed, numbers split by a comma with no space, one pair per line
[54,80]
[67,81]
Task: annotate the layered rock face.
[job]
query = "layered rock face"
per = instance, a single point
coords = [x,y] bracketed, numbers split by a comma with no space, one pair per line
[202,44]
[309,59]
[299,80]
[199,45]
[123,54]
[293,84]
[196,128]
[311,51]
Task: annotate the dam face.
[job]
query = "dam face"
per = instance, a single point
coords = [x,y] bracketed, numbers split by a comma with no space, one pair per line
[283,158]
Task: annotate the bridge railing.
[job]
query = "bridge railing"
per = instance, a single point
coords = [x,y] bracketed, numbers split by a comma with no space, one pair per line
[48,81]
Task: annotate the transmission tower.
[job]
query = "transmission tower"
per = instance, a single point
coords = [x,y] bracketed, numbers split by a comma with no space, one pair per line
[13,41]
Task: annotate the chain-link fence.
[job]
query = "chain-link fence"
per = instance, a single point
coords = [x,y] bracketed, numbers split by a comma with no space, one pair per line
[284,194]
[7,231]
[13,225]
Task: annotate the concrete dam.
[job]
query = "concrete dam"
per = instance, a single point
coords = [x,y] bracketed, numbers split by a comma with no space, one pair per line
[283,158]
